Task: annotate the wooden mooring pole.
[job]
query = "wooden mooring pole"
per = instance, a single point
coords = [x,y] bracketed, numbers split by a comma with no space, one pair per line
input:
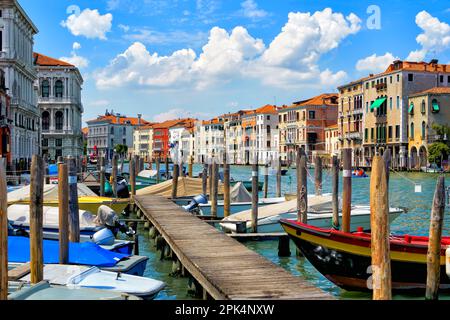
[191,166]
[379,222]
[302,187]
[434,242]
[346,189]
[318,175]
[176,175]
[215,188]
[158,168]
[36,219]
[102,176]
[167,168]
[278,191]
[335,191]
[226,186]
[266,181]
[3,233]
[210,178]
[133,177]
[114,175]
[255,195]
[205,179]
[63,205]
[74,215]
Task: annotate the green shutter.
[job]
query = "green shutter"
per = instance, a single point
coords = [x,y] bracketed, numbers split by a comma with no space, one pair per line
[436,107]
[411,108]
[377,103]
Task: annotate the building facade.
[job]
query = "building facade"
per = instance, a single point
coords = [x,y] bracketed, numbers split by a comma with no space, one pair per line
[426,109]
[350,119]
[332,140]
[59,101]
[109,131]
[143,141]
[209,139]
[17,33]
[5,121]
[386,106]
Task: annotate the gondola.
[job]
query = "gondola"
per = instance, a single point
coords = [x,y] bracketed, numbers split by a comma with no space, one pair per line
[345,258]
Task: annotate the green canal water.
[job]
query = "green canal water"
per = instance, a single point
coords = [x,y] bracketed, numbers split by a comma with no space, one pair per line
[402,194]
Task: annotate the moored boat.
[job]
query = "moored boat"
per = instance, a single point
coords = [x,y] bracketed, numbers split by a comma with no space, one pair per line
[345,258]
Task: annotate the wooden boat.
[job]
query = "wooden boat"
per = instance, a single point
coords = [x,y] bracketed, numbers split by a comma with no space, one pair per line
[236,207]
[74,277]
[46,291]
[319,214]
[345,258]
[87,199]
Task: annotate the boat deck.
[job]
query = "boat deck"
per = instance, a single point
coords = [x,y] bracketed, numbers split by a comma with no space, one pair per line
[226,269]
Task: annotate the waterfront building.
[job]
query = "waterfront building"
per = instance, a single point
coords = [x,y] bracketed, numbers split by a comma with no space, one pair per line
[110,130]
[161,137]
[234,137]
[386,116]
[59,100]
[181,139]
[5,121]
[209,139]
[259,134]
[143,141]
[425,109]
[332,140]
[17,33]
[303,124]
[350,119]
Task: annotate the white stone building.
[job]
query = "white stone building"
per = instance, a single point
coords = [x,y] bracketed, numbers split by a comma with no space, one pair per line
[143,141]
[209,140]
[17,33]
[59,100]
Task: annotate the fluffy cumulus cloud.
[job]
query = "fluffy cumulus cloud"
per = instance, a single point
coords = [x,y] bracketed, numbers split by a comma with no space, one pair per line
[250,10]
[291,59]
[434,39]
[78,61]
[375,63]
[89,23]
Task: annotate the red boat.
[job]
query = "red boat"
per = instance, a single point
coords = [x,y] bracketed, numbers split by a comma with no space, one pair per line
[345,258]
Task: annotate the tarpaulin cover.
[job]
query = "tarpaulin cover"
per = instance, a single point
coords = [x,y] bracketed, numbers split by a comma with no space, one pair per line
[86,253]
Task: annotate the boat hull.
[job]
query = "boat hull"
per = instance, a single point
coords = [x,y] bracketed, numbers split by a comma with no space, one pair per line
[205,209]
[248,185]
[347,262]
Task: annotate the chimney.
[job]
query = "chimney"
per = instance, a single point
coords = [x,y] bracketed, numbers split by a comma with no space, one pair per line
[118,118]
[139,119]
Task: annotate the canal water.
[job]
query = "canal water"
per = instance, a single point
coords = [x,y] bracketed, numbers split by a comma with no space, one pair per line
[401,194]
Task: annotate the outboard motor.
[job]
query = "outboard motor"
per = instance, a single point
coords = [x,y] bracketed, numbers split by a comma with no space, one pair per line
[104,237]
[196,202]
[108,218]
[122,189]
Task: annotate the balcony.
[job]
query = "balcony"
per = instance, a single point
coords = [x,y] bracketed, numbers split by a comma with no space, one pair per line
[354,135]
[381,87]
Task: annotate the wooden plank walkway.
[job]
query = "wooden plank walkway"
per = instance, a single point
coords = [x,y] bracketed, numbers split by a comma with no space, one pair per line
[226,269]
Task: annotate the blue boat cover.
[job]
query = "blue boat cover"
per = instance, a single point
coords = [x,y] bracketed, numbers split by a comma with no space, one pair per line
[53,169]
[86,253]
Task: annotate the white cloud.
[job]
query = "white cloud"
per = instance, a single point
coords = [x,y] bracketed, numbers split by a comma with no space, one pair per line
[89,23]
[375,63]
[291,60]
[434,39]
[124,28]
[76,60]
[250,10]
[178,113]
[76,46]
[148,36]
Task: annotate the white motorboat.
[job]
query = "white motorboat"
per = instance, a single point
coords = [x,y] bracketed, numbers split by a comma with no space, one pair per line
[93,278]
[320,215]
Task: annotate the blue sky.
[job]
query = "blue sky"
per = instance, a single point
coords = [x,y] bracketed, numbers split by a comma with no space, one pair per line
[202,58]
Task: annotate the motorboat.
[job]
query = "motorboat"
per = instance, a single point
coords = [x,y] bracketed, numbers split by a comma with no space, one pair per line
[320,214]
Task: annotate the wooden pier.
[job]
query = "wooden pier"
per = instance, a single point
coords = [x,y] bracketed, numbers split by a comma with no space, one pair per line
[224,268]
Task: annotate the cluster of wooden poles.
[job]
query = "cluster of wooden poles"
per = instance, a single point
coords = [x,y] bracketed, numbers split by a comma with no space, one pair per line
[69,225]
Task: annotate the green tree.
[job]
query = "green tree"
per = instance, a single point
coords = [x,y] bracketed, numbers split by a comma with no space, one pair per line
[438,150]
[121,149]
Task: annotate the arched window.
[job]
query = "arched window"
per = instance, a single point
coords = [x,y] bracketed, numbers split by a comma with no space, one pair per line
[423,129]
[411,132]
[59,120]
[45,89]
[59,89]
[45,121]
[422,109]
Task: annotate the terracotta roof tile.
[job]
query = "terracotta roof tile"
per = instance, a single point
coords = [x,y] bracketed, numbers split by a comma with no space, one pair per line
[435,90]
[120,120]
[325,99]
[42,60]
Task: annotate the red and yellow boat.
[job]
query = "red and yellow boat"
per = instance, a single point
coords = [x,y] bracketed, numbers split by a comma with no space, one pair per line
[345,258]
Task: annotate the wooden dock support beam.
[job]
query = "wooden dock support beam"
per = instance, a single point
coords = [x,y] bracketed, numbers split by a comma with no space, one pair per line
[255,195]
[278,191]
[3,233]
[302,187]
[434,242]
[74,215]
[36,219]
[284,249]
[318,175]
[335,191]
[63,205]
[347,189]
[226,187]
[176,174]
[379,222]
[102,176]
